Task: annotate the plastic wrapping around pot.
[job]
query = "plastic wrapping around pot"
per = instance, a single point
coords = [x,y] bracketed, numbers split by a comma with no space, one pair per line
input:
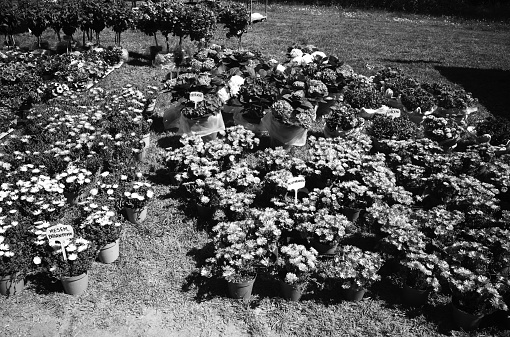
[285,134]
[256,128]
[325,107]
[329,133]
[201,126]
[384,110]
[172,116]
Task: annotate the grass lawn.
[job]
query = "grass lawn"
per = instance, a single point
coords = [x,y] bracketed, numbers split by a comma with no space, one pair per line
[152,291]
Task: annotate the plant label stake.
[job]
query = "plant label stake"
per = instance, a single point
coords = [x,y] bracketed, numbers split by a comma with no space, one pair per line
[61,234]
[295,184]
[195,97]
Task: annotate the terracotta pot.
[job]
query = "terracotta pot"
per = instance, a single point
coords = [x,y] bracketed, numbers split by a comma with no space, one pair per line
[110,252]
[241,290]
[11,284]
[464,320]
[290,292]
[75,285]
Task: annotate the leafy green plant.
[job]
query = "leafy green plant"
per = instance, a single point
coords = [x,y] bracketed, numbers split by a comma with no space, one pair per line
[361,93]
[400,128]
[497,127]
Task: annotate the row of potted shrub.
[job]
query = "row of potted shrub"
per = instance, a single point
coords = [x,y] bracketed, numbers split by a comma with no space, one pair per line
[286,99]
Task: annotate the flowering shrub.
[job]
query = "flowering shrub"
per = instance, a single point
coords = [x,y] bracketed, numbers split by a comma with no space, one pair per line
[138,194]
[475,293]
[100,226]
[298,112]
[343,117]
[16,245]
[421,271]
[296,264]
[325,228]
[353,268]
[80,254]
[361,93]
[440,129]
[74,179]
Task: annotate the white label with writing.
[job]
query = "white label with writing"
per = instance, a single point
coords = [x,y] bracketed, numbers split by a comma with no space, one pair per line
[295,184]
[196,96]
[61,234]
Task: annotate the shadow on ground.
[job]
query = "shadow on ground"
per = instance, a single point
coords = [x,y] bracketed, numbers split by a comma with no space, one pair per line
[490,86]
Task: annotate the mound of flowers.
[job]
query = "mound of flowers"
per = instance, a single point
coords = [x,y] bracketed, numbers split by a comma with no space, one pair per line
[71,169]
[415,197]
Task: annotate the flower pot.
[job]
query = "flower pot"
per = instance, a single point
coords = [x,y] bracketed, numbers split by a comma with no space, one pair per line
[325,107]
[205,212]
[241,290]
[136,215]
[465,320]
[284,135]
[290,292]
[149,110]
[209,125]
[414,297]
[110,252]
[210,136]
[11,284]
[75,285]
[352,214]
[352,294]
[329,133]
[324,249]
[141,155]
[71,197]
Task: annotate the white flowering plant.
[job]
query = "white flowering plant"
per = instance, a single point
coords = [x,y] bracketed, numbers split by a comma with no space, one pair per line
[239,253]
[326,228]
[16,245]
[100,225]
[356,269]
[476,293]
[75,179]
[421,271]
[137,194]
[296,264]
[80,253]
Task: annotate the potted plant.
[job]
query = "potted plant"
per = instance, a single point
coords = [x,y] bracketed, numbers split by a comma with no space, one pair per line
[474,296]
[203,118]
[75,180]
[72,269]
[445,131]
[342,120]
[361,93]
[235,18]
[325,230]
[16,248]
[418,102]
[135,200]
[289,120]
[356,270]
[256,95]
[101,226]
[418,275]
[237,256]
[295,266]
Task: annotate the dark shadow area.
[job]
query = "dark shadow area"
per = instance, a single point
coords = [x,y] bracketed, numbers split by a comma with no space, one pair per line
[411,61]
[490,86]
[43,284]
[172,141]
[137,59]
[207,288]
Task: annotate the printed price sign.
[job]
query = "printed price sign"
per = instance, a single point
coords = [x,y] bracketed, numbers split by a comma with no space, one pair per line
[61,234]
[295,184]
[196,97]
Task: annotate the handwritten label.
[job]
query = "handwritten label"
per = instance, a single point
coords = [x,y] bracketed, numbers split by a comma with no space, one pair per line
[195,97]
[61,234]
[295,184]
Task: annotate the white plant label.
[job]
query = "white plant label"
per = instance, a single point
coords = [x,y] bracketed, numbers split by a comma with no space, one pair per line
[195,97]
[61,234]
[295,184]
